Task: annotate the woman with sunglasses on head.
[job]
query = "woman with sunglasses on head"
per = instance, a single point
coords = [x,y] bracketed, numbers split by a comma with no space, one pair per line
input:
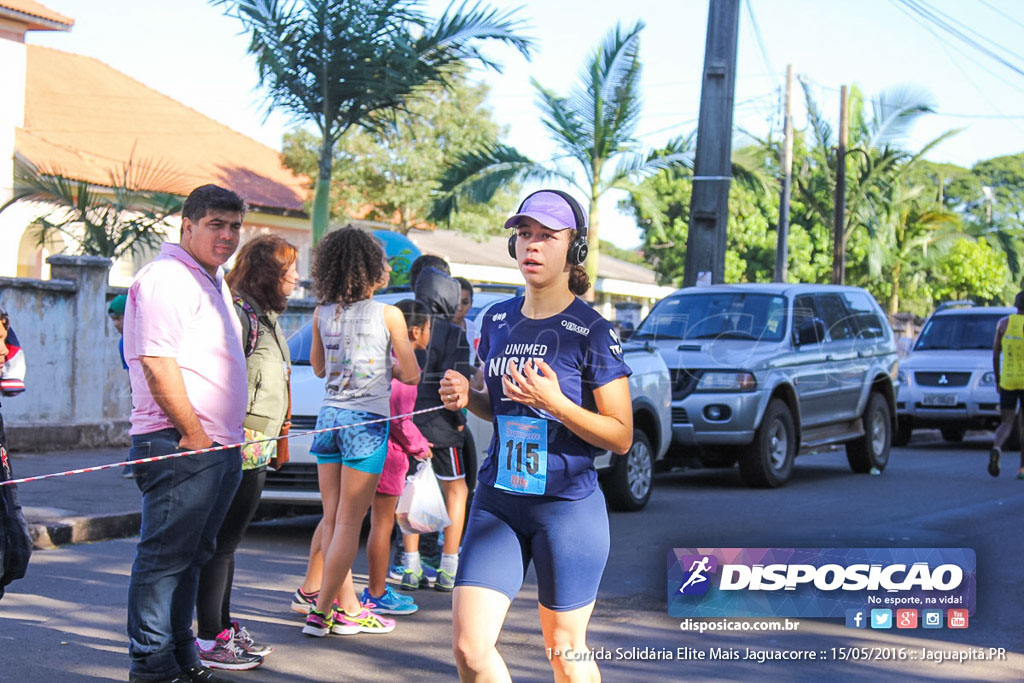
[557,393]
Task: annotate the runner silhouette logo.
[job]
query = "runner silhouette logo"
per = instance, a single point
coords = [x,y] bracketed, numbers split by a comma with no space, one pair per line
[696,580]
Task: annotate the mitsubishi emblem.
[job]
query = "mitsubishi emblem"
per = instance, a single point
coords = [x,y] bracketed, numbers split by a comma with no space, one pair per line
[943,380]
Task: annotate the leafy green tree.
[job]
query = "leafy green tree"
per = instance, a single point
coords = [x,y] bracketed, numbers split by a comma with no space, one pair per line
[389,173]
[661,206]
[594,128]
[992,202]
[340,64]
[971,270]
[124,217]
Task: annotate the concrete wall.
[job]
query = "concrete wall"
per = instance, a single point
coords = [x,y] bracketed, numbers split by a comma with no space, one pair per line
[77,394]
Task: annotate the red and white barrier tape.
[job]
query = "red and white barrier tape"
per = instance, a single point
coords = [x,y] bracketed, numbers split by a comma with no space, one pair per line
[201,451]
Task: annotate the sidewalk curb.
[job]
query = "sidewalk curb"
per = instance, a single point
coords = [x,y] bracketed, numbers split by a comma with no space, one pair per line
[49,534]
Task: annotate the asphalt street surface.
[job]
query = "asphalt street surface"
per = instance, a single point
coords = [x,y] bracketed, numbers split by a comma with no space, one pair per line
[65,620]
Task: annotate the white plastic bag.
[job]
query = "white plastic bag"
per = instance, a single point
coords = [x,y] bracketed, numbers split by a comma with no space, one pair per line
[421,508]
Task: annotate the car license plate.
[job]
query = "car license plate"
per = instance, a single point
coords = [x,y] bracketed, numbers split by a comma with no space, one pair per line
[945,400]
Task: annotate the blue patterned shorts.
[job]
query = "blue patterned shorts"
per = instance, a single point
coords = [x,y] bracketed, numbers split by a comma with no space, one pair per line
[361,448]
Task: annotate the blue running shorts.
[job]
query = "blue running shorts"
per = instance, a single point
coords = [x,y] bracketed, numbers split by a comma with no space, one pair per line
[567,540]
[361,448]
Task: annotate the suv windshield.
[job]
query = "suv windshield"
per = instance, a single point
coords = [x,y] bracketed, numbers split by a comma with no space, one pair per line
[958,332]
[717,315]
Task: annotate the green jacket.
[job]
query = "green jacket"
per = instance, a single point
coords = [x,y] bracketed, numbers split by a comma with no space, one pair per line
[268,368]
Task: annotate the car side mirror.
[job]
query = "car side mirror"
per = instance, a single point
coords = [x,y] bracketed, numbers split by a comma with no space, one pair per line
[811,332]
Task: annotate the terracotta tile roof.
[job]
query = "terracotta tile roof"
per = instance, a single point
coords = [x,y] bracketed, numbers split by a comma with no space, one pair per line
[34,9]
[84,118]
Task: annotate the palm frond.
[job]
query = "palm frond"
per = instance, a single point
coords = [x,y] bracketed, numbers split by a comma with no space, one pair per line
[895,112]
[453,33]
[564,122]
[478,175]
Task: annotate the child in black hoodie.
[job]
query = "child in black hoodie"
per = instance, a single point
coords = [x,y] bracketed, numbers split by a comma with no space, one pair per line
[445,430]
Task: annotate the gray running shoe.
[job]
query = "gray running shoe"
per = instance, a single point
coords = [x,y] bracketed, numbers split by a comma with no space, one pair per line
[226,655]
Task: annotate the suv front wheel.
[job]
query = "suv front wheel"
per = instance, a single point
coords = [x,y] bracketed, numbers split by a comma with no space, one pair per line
[768,461]
[871,451]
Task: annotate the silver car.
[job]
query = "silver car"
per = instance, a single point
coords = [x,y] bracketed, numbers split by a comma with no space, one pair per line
[763,372]
[947,382]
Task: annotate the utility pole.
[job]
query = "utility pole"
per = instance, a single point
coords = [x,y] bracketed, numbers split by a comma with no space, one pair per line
[839,217]
[782,232]
[709,204]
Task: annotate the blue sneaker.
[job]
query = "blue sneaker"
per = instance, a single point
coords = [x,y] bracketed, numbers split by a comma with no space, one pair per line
[395,572]
[389,603]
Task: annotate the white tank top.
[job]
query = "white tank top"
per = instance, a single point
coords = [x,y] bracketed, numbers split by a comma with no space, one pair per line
[357,351]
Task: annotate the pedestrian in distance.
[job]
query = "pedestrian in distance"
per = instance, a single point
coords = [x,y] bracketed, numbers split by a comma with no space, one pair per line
[264,276]
[115,311]
[557,394]
[183,344]
[404,442]
[447,350]
[1008,364]
[353,337]
[462,322]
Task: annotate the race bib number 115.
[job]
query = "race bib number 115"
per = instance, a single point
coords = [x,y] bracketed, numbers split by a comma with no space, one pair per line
[522,455]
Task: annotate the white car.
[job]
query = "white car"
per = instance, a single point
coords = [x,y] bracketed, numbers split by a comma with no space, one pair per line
[627,480]
[947,382]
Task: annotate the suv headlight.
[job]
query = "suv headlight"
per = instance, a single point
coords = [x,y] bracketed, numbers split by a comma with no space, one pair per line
[902,378]
[988,379]
[727,381]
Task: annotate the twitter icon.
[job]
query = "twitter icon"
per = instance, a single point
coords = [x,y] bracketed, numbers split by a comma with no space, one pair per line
[881,618]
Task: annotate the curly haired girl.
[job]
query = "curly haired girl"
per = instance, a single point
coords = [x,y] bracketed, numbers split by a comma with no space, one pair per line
[352,340]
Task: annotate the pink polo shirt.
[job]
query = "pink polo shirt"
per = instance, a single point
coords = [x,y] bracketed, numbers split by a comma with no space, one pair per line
[176,310]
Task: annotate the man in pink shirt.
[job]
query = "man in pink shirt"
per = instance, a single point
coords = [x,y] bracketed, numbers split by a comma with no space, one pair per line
[182,342]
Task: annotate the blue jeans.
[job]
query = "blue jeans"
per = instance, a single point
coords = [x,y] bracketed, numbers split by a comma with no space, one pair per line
[184,501]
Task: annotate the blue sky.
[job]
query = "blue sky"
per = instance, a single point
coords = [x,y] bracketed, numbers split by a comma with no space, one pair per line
[190,51]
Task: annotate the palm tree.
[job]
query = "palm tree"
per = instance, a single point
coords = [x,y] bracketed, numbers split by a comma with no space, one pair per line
[335,63]
[123,217]
[594,127]
[906,238]
[876,160]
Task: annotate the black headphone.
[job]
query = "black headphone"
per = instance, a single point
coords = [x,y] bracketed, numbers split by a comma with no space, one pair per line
[579,248]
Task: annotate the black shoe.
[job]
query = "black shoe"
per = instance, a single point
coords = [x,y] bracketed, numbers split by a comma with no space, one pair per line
[200,674]
[993,462]
[177,678]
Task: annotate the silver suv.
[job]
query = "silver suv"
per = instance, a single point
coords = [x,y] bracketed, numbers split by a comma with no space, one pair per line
[762,372]
[947,382]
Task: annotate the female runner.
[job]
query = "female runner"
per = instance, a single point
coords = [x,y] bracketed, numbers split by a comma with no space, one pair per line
[557,394]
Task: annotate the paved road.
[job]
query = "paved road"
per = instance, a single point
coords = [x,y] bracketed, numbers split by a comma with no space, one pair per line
[67,617]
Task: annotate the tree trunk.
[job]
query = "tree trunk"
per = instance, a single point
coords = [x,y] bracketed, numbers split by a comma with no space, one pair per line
[894,297]
[322,196]
[593,254]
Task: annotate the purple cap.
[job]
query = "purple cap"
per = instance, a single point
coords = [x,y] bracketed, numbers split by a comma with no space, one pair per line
[550,209]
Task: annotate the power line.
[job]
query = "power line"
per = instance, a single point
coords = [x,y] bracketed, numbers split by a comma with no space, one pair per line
[943,45]
[929,14]
[1000,12]
[760,40]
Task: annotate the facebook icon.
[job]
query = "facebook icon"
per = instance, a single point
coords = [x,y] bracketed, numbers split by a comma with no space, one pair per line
[856,618]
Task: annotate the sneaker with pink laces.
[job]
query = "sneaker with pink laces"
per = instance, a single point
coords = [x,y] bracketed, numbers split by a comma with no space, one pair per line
[364,622]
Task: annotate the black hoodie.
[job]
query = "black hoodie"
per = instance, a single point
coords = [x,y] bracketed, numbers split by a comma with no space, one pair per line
[447,350]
